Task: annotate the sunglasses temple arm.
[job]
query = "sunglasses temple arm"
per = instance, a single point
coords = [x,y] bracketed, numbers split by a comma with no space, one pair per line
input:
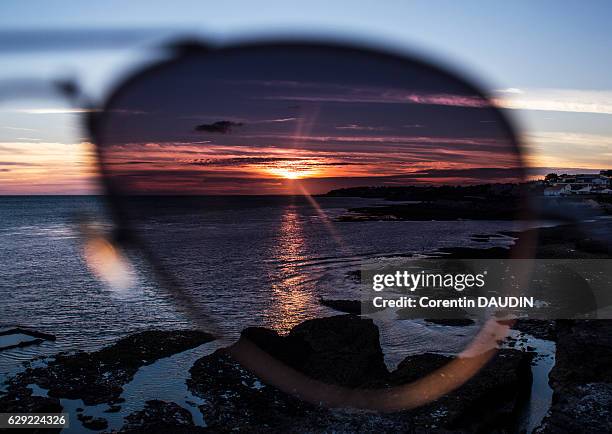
[25,88]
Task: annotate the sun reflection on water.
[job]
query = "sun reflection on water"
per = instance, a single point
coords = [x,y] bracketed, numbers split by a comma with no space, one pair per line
[290,295]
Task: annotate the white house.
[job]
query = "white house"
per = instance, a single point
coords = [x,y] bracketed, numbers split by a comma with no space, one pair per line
[583,190]
[558,190]
[580,183]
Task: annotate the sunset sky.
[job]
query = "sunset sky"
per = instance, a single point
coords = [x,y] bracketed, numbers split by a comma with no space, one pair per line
[286,121]
[544,62]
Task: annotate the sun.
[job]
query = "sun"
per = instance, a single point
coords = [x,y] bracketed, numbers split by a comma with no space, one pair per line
[285,173]
[293,170]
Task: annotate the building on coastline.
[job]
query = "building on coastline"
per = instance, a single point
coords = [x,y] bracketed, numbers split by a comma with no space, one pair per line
[578,184]
[557,190]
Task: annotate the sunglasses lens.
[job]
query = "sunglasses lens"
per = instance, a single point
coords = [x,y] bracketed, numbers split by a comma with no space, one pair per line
[263,178]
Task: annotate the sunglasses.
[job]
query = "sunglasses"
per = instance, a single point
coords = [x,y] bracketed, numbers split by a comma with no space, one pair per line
[245,176]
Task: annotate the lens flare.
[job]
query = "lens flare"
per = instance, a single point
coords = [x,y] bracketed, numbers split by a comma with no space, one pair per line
[108,264]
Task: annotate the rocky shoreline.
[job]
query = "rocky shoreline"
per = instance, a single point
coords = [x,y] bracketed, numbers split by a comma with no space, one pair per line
[581,378]
[441,210]
[95,378]
[476,202]
[35,337]
[343,350]
[582,375]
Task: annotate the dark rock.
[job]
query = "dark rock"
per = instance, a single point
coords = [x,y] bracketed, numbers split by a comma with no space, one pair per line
[347,306]
[345,350]
[93,423]
[20,400]
[567,291]
[38,337]
[488,236]
[113,409]
[160,417]
[541,329]
[563,241]
[470,253]
[491,401]
[593,246]
[457,322]
[237,400]
[342,349]
[485,238]
[23,344]
[566,241]
[439,209]
[585,408]
[28,332]
[478,237]
[354,275]
[354,307]
[433,315]
[98,377]
[584,353]
[414,367]
[581,378]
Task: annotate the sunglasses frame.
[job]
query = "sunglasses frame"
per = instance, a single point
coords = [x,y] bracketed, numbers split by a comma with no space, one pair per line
[269,369]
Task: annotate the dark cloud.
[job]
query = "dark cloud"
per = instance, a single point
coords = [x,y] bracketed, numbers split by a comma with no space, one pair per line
[357,127]
[128,163]
[483,173]
[546,170]
[239,161]
[153,175]
[222,127]
[17,163]
[334,163]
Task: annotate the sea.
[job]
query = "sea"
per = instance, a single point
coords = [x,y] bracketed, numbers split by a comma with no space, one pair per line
[243,261]
[247,261]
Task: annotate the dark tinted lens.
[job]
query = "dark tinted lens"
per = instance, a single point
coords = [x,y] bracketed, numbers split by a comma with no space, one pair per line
[264,178]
